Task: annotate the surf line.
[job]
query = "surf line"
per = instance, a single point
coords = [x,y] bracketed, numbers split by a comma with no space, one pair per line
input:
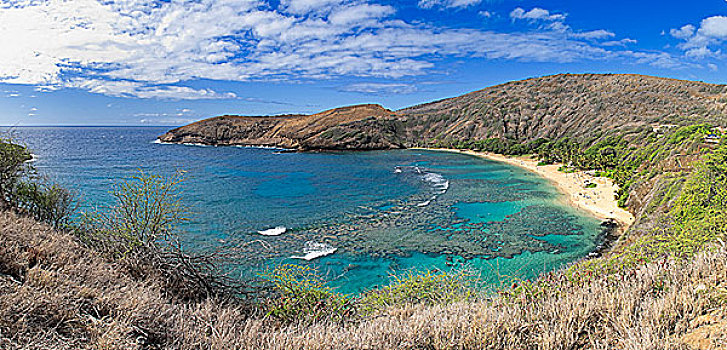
[314,250]
[275,231]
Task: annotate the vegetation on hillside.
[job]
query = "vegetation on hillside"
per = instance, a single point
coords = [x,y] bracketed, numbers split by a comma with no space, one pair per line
[625,158]
[22,189]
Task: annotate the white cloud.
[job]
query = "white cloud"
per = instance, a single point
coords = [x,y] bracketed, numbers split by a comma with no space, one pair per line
[176,117]
[164,119]
[307,6]
[356,14]
[622,42]
[380,88]
[536,14]
[684,32]
[428,4]
[594,34]
[703,41]
[486,14]
[715,27]
[45,88]
[543,18]
[40,39]
[656,59]
[136,89]
[148,49]
[701,52]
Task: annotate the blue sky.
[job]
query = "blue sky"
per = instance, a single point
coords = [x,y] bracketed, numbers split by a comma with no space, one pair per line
[133,62]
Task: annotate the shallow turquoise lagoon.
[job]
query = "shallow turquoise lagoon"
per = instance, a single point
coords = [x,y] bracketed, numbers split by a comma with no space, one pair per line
[383,213]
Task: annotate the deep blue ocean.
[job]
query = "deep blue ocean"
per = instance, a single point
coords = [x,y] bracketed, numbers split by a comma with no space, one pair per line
[374,213]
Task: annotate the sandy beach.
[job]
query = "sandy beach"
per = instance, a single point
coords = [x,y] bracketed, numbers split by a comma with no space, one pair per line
[598,201]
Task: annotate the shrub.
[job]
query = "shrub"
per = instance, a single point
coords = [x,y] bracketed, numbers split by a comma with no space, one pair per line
[697,218]
[49,203]
[147,211]
[425,288]
[141,232]
[687,132]
[302,295]
[23,190]
[12,170]
[567,169]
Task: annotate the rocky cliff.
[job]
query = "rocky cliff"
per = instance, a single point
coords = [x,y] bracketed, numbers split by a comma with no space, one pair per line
[362,127]
[548,107]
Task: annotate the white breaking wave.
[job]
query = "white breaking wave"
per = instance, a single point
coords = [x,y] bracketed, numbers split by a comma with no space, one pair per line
[314,250]
[276,231]
[259,147]
[32,159]
[160,142]
[427,202]
[437,181]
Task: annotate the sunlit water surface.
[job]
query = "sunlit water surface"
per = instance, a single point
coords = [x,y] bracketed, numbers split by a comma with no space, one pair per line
[373,213]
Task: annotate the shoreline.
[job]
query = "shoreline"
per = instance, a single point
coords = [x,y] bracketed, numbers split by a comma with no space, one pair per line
[598,202]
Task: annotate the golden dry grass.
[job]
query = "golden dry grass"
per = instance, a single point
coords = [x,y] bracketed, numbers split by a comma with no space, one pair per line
[56,294]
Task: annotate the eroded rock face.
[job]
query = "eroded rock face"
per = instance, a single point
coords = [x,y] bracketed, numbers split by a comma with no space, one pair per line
[362,127]
[580,106]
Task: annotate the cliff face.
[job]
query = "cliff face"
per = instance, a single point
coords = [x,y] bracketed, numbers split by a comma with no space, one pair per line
[363,127]
[549,107]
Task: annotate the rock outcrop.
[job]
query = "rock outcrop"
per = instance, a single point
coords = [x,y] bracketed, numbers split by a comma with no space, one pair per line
[362,127]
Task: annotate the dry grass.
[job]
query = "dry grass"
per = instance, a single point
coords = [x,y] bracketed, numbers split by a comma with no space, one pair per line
[59,295]
[56,294]
[654,308]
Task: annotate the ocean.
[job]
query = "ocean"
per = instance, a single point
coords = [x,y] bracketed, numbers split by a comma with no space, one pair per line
[357,217]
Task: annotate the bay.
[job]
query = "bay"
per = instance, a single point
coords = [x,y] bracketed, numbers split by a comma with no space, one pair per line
[374,213]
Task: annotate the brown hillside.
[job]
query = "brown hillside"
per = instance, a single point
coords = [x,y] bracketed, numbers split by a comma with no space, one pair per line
[354,127]
[550,107]
[566,105]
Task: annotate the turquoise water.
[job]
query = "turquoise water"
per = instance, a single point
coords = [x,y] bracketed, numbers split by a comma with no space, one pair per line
[383,212]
